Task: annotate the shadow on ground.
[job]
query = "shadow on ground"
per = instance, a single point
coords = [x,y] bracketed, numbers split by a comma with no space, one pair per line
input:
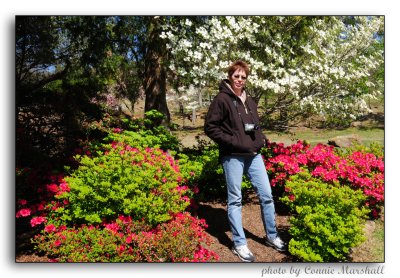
[215,215]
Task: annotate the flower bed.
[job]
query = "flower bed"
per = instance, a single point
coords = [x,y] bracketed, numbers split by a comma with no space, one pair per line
[120,204]
[124,203]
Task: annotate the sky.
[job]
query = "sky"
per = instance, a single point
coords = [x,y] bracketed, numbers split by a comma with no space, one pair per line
[10,8]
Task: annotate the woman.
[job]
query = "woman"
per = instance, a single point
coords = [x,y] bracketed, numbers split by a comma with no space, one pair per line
[232,122]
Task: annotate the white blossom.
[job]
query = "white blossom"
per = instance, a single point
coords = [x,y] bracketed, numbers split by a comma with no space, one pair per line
[188,22]
[327,66]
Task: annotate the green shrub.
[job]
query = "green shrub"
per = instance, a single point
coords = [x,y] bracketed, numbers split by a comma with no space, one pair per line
[146,132]
[123,180]
[375,148]
[205,170]
[211,179]
[141,132]
[142,139]
[328,219]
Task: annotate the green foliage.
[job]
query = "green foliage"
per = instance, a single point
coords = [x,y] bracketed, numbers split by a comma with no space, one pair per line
[153,118]
[145,139]
[327,221]
[147,132]
[208,173]
[375,148]
[203,169]
[123,180]
[142,132]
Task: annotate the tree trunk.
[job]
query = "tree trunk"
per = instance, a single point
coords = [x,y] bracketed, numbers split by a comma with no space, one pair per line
[194,116]
[155,75]
[200,98]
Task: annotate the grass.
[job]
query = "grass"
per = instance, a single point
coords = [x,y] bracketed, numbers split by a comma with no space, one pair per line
[373,248]
[378,250]
[315,136]
[369,130]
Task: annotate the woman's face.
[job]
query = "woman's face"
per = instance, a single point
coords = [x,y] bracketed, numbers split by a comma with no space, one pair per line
[238,80]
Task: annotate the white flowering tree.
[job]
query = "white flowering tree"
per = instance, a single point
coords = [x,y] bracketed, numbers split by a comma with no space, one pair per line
[300,66]
[188,99]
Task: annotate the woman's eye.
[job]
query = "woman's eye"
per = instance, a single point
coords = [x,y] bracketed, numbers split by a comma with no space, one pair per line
[238,76]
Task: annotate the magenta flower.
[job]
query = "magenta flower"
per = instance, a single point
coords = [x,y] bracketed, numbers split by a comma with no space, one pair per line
[52,188]
[112,227]
[57,243]
[37,221]
[358,170]
[22,202]
[50,228]
[23,213]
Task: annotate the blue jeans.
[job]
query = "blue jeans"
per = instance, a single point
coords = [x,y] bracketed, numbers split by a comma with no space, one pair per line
[234,168]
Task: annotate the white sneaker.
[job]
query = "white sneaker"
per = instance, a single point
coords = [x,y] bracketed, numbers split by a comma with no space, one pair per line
[276,243]
[244,253]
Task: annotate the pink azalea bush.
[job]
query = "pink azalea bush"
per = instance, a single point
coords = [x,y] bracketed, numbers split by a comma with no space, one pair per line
[359,169]
[36,189]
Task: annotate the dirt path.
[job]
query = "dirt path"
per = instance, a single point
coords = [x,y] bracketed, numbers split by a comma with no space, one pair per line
[218,228]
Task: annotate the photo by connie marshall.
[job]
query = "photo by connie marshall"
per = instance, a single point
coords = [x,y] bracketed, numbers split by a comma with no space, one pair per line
[323,270]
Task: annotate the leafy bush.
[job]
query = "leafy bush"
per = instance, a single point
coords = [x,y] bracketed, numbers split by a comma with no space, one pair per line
[125,240]
[144,185]
[327,221]
[146,132]
[206,172]
[374,148]
[210,178]
[123,180]
[141,133]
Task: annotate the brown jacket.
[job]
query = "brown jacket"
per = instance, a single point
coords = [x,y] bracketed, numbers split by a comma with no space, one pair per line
[224,125]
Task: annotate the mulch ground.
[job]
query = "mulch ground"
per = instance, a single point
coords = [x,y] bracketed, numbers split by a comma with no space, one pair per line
[216,217]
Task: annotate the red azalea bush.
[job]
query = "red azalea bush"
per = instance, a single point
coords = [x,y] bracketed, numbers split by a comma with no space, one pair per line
[358,169]
[35,190]
[126,240]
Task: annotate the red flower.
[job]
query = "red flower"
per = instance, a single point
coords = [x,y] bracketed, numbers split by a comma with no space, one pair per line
[50,228]
[52,188]
[37,221]
[23,213]
[22,202]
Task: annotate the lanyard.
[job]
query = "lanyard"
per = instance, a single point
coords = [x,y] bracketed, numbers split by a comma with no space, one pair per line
[240,115]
